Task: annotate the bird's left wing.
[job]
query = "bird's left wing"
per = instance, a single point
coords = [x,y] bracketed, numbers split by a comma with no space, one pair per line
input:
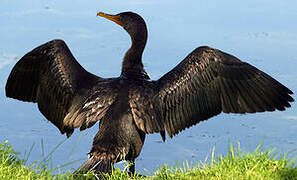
[67,95]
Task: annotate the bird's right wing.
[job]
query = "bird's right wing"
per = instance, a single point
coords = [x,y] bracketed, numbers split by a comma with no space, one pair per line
[209,81]
[50,76]
[206,83]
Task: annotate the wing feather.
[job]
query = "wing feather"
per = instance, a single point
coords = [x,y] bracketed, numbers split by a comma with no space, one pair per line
[50,76]
[208,82]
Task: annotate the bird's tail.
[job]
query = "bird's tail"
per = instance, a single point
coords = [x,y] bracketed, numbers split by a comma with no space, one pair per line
[97,164]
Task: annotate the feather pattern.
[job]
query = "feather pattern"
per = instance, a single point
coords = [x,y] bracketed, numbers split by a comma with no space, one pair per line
[50,76]
[143,110]
[208,82]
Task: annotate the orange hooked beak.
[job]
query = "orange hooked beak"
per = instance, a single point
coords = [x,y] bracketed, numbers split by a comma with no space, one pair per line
[113,18]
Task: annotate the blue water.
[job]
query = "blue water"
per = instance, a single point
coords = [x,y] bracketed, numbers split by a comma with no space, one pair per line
[261,33]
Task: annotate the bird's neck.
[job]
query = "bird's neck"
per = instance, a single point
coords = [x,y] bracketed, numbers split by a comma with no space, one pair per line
[132,66]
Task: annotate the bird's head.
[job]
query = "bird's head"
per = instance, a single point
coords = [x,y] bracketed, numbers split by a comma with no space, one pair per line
[131,22]
[132,66]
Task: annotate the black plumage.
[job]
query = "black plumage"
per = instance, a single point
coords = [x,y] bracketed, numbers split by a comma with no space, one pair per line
[206,83]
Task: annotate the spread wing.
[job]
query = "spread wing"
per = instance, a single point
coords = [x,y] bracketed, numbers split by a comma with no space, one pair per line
[50,76]
[206,83]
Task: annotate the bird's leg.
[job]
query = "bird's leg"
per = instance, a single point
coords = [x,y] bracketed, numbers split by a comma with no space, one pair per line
[132,170]
[132,167]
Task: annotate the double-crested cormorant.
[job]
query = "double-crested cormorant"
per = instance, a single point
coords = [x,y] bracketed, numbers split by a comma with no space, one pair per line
[206,83]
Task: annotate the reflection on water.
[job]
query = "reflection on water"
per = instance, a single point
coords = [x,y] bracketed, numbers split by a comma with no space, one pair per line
[261,33]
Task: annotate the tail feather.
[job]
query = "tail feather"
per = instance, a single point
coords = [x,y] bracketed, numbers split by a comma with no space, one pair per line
[97,165]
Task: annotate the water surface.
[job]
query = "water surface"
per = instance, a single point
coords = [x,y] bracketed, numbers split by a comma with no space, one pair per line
[262,33]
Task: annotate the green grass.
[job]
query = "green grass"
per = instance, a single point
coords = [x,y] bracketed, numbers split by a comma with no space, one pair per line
[236,165]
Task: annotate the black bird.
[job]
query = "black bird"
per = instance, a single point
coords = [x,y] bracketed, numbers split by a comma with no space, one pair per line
[206,83]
